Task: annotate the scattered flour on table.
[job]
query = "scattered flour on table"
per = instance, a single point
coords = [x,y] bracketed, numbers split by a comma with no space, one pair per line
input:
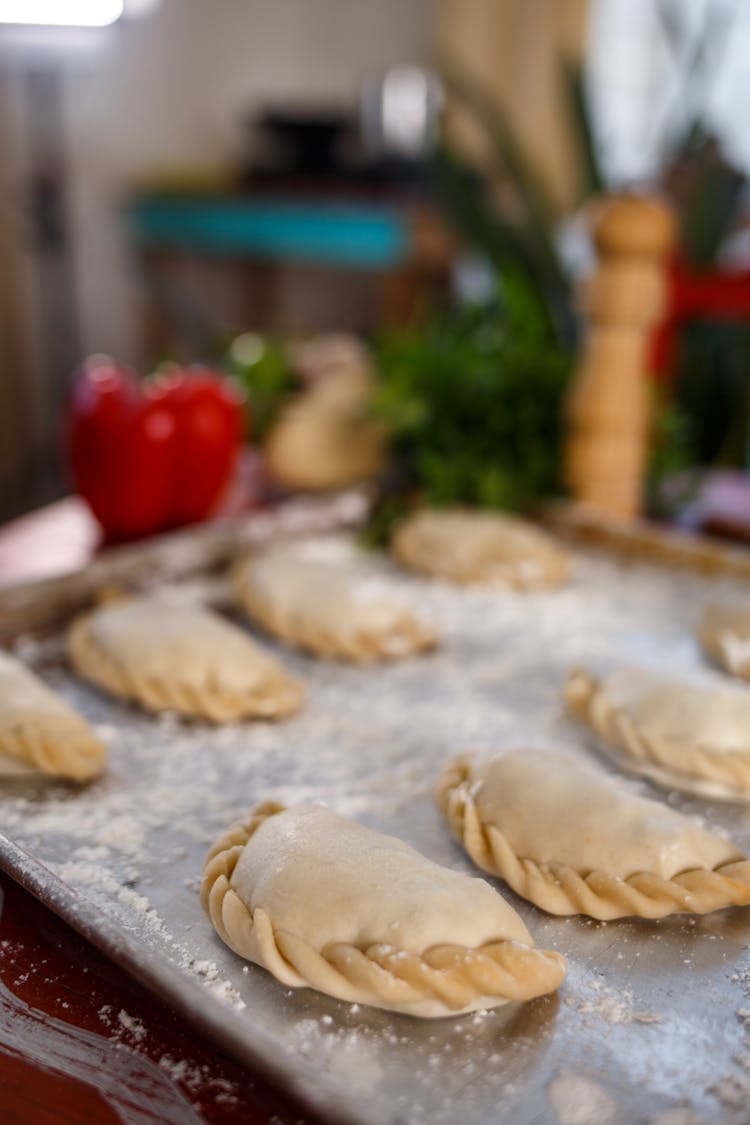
[612,1005]
[742,977]
[678,1116]
[196,1076]
[732,1089]
[342,1053]
[121,1025]
[131,1024]
[126,1029]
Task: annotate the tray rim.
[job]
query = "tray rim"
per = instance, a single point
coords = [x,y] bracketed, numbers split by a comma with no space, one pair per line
[647,541]
[42,603]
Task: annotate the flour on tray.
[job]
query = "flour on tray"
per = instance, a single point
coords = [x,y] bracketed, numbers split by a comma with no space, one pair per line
[370,743]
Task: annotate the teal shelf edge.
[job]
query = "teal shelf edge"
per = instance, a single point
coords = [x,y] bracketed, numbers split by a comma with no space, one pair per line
[329,234]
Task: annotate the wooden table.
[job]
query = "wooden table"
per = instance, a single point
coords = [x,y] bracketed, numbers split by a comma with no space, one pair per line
[81,1043]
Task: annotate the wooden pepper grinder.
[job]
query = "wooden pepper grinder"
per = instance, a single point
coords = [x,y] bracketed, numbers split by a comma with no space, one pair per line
[608,408]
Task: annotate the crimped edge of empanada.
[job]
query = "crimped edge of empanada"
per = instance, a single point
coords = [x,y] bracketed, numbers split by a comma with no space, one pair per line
[560,889]
[278,696]
[552,563]
[726,646]
[711,772]
[445,980]
[55,746]
[360,646]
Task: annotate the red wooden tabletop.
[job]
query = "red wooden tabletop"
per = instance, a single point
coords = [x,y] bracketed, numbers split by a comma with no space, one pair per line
[81,1043]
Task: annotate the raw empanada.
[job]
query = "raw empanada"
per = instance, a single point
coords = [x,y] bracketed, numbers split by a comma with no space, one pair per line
[684,735]
[328,437]
[725,636]
[326,596]
[322,902]
[467,545]
[40,732]
[575,840]
[180,658]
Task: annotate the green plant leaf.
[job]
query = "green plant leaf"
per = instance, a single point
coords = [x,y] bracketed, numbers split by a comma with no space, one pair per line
[593,182]
[534,225]
[473,400]
[512,161]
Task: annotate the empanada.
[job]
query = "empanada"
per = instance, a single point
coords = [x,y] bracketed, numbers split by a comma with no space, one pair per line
[181,658]
[328,436]
[40,732]
[324,595]
[466,545]
[324,903]
[575,840]
[684,735]
[725,636]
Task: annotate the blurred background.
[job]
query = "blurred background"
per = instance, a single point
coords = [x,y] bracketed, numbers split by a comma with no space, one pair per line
[402,195]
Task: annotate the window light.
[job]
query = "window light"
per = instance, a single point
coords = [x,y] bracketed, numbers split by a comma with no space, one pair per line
[61,13]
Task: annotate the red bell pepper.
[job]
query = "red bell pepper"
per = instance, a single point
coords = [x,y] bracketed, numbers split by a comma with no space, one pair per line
[153,454]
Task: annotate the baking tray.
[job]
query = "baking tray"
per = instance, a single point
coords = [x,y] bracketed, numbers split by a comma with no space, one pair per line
[653,1021]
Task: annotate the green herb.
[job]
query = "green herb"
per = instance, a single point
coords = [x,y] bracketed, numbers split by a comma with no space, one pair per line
[473,402]
[262,367]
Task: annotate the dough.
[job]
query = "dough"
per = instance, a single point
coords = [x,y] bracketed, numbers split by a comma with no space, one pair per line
[40,732]
[684,735]
[326,596]
[322,902]
[327,437]
[179,658]
[466,545]
[725,635]
[574,840]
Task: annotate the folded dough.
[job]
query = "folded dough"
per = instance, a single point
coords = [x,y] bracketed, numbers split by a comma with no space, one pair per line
[326,596]
[180,658]
[725,636]
[574,840]
[40,732]
[684,735]
[467,545]
[328,437]
[323,903]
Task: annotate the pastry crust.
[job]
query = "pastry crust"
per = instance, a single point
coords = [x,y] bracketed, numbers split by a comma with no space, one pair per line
[321,902]
[472,546]
[327,437]
[40,733]
[683,735]
[176,658]
[724,633]
[574,841]
[324,595]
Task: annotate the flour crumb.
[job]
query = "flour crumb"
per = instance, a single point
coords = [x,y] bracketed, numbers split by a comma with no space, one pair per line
[733,1091]
[579,1101]
[678,1116]
[132,1025]
[611,1005]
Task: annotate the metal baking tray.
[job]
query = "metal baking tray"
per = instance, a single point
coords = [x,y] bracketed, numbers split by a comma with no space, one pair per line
[653,1021]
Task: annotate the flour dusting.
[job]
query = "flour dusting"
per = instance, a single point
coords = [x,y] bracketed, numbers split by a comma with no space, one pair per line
[370,743]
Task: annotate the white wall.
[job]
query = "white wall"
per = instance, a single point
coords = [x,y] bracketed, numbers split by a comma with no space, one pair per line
[172,90]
